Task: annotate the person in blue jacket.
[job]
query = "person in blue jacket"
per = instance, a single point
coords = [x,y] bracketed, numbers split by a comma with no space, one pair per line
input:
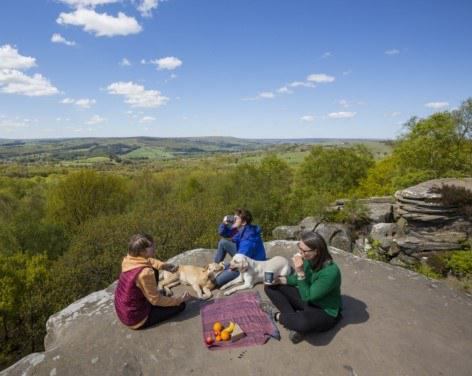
[239,237]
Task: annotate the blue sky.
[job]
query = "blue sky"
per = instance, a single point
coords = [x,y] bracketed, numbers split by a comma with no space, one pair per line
[246,68]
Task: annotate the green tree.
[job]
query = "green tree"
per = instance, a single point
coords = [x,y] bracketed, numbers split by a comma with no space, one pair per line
[86,194]
[435,147]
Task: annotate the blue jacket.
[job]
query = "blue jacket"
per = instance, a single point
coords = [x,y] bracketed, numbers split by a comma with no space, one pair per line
[248,240]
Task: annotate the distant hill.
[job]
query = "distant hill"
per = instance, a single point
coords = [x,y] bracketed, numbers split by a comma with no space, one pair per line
[145,148]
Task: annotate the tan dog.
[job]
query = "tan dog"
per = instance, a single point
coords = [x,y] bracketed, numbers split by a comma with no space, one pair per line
[201,279]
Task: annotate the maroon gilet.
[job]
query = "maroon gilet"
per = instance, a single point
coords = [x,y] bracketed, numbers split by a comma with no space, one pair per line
[131,305]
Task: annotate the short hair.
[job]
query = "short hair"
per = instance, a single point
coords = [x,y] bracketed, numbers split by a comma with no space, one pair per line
[245,215]
[138,243]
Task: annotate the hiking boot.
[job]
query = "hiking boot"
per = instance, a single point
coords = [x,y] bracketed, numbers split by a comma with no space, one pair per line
[269,308]
[295,337]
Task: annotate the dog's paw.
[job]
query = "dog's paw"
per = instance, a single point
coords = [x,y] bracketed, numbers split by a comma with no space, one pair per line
[226,293]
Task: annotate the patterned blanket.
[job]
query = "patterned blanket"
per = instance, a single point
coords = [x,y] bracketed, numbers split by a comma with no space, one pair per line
[243,309]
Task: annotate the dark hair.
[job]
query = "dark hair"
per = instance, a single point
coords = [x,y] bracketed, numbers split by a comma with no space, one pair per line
[138,243]
[245,215]
[315,241]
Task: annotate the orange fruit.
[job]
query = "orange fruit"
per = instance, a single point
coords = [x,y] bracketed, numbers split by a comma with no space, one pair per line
[218,338]
[217,333]
[217,327]
[225,336]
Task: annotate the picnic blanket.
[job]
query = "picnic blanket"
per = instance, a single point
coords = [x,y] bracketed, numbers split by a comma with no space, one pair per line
[243,309]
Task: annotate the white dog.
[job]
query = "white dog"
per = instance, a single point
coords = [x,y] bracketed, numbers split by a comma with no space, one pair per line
[201,279]
[252,271]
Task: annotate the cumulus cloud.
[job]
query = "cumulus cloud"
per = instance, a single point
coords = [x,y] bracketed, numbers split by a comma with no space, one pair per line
[147,6]
[147,119]
[284,90]
[95,119]
[437,105]
[136,96]
[11,59]
[308,118]
[125,62]
[301,84]
[100,24]
[393,51]
[169,63]
[82,103]
[58,38]
[341,115]
[16,82]
[87,3]
[320,78]
[266,95]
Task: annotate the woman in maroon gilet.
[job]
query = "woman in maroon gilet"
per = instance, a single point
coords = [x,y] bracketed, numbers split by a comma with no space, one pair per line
[138,303]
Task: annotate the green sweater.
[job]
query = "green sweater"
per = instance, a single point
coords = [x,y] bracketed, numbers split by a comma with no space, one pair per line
[322,288]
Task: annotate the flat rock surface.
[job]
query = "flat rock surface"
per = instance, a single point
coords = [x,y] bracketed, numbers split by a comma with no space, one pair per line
[396,322]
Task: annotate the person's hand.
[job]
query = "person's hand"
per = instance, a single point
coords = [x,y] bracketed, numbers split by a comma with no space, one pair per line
[170,267]
[298,263]
[225,219]
[186,297]
[280,281]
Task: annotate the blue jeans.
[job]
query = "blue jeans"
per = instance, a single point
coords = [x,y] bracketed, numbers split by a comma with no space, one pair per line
[225,246]
[225,276]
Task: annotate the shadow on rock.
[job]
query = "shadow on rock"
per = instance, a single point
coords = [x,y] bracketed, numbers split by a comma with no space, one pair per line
[354,312]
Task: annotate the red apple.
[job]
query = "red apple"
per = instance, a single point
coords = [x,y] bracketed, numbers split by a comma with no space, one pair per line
[209,340]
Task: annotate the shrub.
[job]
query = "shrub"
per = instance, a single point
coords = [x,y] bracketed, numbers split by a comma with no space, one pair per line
[460,263]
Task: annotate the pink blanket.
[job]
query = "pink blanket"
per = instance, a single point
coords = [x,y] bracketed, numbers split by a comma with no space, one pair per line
[243,309]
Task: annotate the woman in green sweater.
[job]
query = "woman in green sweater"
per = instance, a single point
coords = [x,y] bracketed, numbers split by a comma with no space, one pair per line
[310,299]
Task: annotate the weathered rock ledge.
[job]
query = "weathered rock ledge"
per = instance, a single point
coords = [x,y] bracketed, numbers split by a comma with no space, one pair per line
[396,322]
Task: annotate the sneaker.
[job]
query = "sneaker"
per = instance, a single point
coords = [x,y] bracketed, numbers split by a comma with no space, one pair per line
[295,337]
[269,308]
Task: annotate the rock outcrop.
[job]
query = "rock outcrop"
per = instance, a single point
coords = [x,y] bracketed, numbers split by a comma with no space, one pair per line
[395,322]
[424,224]
[335,234]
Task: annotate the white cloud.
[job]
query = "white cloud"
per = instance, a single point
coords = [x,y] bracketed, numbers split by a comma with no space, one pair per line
[320,78]
[82,103]
[143,61]
[169,63]
[11,124]
[136,96]
[87,3]
[301,84]
[147,119]
[347,73]
[125,62]
[58,38]
[101,24]
[395,114]
[326,55]
[393,51]
[147,6]
[284,90]
[437,105]
[16,82]
[308,118]
[95,119]
[344,103]
[266,95]
[11,59]
[341,115]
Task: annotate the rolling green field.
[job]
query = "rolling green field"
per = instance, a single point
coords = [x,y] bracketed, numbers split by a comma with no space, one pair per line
[110,151]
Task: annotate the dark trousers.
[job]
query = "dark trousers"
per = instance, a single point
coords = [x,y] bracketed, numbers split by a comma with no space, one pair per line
[295,314]
[159,314]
